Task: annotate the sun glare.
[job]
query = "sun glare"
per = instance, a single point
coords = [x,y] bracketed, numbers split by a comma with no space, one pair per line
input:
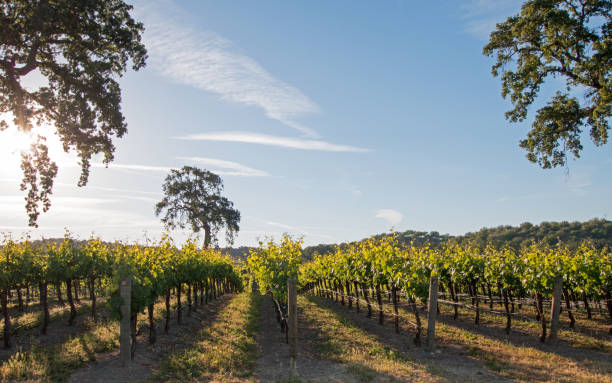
[13,142]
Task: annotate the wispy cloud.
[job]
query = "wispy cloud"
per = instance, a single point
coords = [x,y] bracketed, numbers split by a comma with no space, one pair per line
[15,203]
[102,188]
[220,167]
[231,168]
[392,216]
[144,168]
[482,15]
[207,61]
[81,213]
[264,139]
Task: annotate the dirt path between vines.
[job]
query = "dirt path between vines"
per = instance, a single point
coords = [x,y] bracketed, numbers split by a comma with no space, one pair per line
[106,368]
[274,363]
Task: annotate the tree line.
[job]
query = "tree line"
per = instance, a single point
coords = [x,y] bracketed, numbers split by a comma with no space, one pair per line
[597,232]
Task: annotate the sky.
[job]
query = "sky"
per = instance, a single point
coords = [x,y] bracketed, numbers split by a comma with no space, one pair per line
[331,120]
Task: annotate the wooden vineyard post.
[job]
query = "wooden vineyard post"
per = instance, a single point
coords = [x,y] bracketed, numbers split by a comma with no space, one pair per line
[556,308]
[432,313]
[125,290]
[292,314]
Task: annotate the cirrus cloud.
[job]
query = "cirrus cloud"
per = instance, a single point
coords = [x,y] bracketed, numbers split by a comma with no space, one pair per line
[207,61]
[265,139]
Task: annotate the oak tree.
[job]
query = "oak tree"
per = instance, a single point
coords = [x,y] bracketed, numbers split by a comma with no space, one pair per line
[572,41]
[79,47]
[192,198]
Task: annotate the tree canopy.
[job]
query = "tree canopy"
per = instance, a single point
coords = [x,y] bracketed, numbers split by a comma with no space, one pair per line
[79,47]
[192,198]
[566,39]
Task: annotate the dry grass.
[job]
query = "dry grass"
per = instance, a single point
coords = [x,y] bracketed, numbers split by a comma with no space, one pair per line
[581,355]
[32,317]
[367,358]
[224,351]
[55,362]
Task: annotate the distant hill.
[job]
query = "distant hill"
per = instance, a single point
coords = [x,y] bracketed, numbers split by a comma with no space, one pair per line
[596,231]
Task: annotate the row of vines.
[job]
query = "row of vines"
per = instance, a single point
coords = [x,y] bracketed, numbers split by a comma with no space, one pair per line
[376,267]
[157,271]
[270,266]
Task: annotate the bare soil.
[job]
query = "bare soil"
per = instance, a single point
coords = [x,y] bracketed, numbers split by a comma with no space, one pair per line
[275,365]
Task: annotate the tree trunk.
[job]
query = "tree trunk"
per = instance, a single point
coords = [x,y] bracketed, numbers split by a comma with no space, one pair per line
[195,297]
[45,306]
[395,309]
[58,292]
[367,299]
[507,308]
[356,295]
[71,302]
[27,300]
[585,299]
[167,325]
[189,303]
[415,310]
[20,300]
[76,285]
[7,319]
[542,316]
[477,301]
[206,236]
[179,314]
[381,316]
[152,333]
[92,296]
[348,292]
[569,309]
[538,310]
[452,289]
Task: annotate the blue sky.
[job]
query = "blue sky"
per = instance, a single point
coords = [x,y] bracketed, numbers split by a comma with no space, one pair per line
[332,120]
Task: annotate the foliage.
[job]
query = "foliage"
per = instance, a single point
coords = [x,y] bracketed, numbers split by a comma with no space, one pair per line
[192,197]
[154,269]
[385,262]
[569,39]
[271,265]
[79,47]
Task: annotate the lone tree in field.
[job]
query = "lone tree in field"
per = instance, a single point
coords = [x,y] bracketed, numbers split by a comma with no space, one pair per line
[571,40]
[192,197]
[79,47]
